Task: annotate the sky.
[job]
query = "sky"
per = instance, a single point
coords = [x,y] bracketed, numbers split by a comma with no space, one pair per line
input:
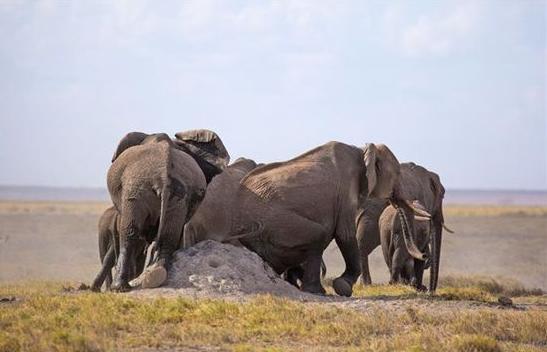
[456,86]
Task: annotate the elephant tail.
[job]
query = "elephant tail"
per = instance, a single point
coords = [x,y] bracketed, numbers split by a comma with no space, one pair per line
[164,198]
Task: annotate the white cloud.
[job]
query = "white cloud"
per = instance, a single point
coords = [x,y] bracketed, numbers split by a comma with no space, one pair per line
[432,34]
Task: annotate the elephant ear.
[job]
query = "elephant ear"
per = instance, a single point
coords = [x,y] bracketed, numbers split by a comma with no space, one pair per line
[382,171]
[206,148]
[129,140]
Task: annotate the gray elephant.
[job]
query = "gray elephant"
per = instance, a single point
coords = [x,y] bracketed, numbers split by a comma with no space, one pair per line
[218,199]
[154,180]
[288,212]
[417,183]
[402,266]
[108,236]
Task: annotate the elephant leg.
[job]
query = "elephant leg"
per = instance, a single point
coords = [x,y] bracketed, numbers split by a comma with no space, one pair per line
[368,238]
[168,240]
[343,285]
[409,276]
[419,267]
[397,265]
[106,270]
[108,279]
[130,231]
[292,275]
[311,279]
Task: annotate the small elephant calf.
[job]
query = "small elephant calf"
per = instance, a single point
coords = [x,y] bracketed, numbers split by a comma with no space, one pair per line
[109,245]
[402,266]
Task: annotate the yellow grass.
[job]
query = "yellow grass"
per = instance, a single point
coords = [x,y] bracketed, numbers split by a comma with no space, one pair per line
[52,207]
[494,210]
[47,319]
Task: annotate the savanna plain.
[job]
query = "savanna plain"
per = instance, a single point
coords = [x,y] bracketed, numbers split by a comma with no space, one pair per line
[48,248]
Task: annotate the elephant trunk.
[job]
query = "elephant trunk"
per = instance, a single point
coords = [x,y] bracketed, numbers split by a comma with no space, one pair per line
[435,240]
[408,232]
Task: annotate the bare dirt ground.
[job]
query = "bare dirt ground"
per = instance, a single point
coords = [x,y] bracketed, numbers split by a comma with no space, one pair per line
[58,241]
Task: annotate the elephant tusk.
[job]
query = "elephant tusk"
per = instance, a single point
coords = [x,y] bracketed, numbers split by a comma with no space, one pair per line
[447,229]
[421,218]
[417,210]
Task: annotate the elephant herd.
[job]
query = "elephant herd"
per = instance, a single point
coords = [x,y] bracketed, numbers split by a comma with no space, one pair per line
[171,193]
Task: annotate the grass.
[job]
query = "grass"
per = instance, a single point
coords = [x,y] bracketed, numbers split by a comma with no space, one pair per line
[463,210]
[46,318]
[52,207]
[460,288]
[492,285]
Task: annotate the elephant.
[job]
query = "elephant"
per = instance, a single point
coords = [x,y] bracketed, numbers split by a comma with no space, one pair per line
[417,183]
[288,212]
[108,236]
[155,180]
[218,198]
[402,266]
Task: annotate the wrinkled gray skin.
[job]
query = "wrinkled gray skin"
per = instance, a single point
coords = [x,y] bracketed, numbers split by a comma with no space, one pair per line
[402,266]
[219,197]
[153,179]
[109,237]
[288,212]
[417,183]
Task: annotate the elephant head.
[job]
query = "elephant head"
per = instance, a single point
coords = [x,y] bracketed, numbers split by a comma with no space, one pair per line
[206,148]
[424,185]
[137,138]
[383,176]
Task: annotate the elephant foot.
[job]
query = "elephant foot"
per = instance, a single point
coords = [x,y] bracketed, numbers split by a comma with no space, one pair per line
[154,277]
[315,288]
[342,287]
[95,288]
[421,288]
[121,287]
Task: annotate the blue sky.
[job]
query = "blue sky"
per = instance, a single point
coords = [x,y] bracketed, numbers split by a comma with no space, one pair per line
[459,87]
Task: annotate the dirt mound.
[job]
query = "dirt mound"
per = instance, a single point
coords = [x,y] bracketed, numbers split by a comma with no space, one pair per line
[214,268]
